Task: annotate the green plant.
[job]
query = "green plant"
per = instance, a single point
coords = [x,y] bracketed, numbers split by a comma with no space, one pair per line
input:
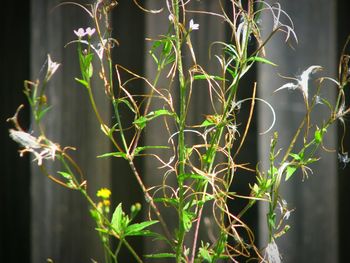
[204,172]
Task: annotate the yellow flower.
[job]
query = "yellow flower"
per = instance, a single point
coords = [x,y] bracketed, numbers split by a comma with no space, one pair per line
[106,202]
[104,193]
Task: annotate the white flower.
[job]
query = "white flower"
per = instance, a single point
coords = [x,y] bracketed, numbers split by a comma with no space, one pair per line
[24,139]
[41,151]
[193,26]
[302,81]
[51,67]
[171,18]
[344,158]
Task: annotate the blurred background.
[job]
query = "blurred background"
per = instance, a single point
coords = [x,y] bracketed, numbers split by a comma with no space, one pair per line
[40,220]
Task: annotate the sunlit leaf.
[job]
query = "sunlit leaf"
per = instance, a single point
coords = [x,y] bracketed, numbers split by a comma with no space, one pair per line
[117,219]
[65,175]
[207,123]
[290,170]
[187,219]
[136,229]
[261,60]
[206,77]
[83,82]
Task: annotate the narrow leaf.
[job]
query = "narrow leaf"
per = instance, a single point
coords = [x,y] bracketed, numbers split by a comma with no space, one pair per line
[140,149]
[261,60]
[202,76]
[171,201]
[65,175]
[161,255]
[43,112]
[113,154]
[83,82]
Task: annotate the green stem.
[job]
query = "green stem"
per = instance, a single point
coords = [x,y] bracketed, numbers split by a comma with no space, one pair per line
[133,252]
[182,118]
[118,249]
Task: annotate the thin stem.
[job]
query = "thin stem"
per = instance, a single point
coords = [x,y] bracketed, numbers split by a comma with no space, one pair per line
[133,252]
[182,118]
[118,249]
[194,247]
[149,199]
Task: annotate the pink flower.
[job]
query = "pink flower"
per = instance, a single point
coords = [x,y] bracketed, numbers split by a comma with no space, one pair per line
[82,33]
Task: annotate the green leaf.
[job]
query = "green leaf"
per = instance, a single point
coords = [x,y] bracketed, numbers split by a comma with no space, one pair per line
[95,215]
[231,50]
[206,77]
[101,230]
[140,122]
[113,154]
[136,229]
[296,157]
[200,202]
[161,255]
[256,189]
[312,160]
[140,149]
[183,177]
[207,123]
[232,73]
[171,201]
[187,218]
[272,171]
[272,220]
[43,112]
[89,71]
[86,64]
[205,254]
[318,136]
[261,60]
[65,175]
[83,82]
[117,220]
[282,232]
[290,171]
[207,158]
[126,102]
[157,113]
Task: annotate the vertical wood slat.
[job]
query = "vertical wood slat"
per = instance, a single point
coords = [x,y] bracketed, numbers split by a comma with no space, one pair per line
[61,226]
[313,236]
